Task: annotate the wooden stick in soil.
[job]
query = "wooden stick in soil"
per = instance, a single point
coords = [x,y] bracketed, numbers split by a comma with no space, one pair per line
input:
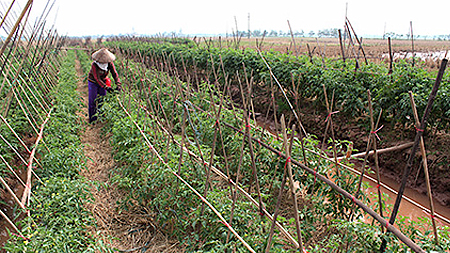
[16,25]
[309,54]
[12,193]
[412,43]
[380,151]
[275,120]
[292,38]
[11,223]
[291,181]
[213,148]
[369,142]
[342,46]
[280,194]
[252,155]
[185,182]
[358,40]
[391,57]
[425,167]
[27,191]
[419,134]
[238,175]
[329,118]
[15,134]
[224,177]
[284,93]
[341,191]
[377,168]
[321,53]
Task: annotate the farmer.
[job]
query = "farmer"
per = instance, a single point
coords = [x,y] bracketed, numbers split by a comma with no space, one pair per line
[98,80]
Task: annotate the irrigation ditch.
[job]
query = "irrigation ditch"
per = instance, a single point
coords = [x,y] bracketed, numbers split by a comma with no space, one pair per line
[155,104]
[183,153]
[165,65]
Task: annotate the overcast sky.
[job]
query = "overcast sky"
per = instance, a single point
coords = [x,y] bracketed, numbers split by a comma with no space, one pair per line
[105,17]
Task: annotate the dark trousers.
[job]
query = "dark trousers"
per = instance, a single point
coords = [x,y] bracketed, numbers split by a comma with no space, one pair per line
[95,94]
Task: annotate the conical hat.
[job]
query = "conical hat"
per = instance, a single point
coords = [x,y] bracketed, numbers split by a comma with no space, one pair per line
[103,56]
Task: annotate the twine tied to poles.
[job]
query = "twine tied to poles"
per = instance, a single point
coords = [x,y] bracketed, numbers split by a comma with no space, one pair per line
[329,115]
[376,131]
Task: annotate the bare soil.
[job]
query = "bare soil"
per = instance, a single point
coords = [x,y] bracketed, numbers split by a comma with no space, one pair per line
[125,230]
[330,47]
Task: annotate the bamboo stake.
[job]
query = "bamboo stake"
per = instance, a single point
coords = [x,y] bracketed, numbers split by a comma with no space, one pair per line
[275,120]
[15,134]
[412,43]
[27,191]
[11,223]
[12,170]
[252,155]
[369,143]
[309,54]
[381,151]
[242,191]
[391,60]
[377,166]
[329,118]
[344,193]
[12,193]
[280,193]
[342,46]
[13,30]
[292,38]
[6,13]
[321,53]
[425,167]
[185,182]
[291,180]
[357,40]
[238,174]
[284,94]
[419,133]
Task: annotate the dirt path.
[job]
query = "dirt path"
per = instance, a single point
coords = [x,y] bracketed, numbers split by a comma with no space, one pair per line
[126,231]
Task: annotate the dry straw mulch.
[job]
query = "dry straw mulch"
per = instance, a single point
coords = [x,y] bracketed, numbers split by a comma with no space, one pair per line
[131,230]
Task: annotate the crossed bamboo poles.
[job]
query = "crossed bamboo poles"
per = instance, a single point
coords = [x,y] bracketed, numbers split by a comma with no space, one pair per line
[29,73]
[374,135]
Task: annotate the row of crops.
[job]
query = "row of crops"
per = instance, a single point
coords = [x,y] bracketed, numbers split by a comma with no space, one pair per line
[214,189]
[42,194]
[210,175]
[303,78]
[55,219]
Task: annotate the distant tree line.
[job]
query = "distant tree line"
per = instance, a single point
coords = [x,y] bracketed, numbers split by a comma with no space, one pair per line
[421,37]
[326,33]
[331,33]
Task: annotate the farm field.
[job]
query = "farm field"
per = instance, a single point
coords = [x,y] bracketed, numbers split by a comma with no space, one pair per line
[210,145]
[376,49]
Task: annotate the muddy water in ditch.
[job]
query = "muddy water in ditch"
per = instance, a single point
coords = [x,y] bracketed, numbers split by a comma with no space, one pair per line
[414,205]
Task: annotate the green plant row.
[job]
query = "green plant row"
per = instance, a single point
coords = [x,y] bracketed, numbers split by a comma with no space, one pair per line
[389,91]
[58,220]
[323,214]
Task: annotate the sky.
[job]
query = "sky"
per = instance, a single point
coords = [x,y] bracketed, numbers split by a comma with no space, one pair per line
[113,17]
